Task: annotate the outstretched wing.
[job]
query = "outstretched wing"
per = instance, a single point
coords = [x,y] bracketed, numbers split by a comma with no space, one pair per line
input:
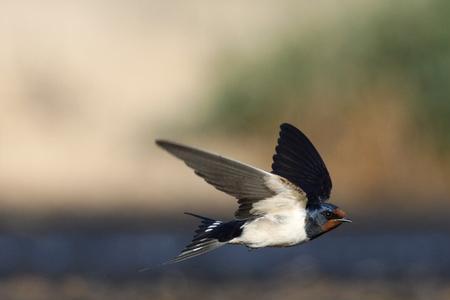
[258,192]
[297,160]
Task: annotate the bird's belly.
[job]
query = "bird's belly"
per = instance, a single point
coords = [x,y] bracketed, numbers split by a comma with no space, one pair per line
[273,231]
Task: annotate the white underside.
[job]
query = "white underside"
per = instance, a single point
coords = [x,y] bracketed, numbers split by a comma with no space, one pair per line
[279,220]
[281,229]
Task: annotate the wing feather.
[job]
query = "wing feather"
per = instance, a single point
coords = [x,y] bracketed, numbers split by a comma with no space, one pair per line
[297,160]
[258,192]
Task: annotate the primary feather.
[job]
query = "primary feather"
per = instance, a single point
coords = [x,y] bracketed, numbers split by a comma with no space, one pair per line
[258,192]
[298,160]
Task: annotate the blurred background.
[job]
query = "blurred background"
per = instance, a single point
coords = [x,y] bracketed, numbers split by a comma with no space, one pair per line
[87,199]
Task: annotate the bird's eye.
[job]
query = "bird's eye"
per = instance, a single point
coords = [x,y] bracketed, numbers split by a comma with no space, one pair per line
[328,214]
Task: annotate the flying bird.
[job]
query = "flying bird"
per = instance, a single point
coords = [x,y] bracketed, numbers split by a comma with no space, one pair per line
[285,207]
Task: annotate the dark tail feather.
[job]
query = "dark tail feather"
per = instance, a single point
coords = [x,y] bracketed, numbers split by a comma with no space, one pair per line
[210,234]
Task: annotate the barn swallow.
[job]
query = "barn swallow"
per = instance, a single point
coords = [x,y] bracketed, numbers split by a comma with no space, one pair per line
[281,208]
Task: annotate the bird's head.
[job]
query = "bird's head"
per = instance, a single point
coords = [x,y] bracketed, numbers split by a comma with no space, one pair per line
[324,218]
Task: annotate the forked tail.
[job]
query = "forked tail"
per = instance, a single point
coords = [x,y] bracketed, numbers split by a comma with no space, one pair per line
[210,234]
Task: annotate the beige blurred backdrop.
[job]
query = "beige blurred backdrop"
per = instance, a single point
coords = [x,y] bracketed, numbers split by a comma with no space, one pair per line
[84,82]
[86,86]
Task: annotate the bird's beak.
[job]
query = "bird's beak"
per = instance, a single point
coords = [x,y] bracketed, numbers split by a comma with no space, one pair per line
[344,220]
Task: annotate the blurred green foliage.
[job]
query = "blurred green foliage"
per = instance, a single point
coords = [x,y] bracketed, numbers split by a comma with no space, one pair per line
[403,45]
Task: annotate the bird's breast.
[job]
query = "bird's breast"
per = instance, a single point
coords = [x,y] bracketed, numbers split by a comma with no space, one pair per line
[282,229]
